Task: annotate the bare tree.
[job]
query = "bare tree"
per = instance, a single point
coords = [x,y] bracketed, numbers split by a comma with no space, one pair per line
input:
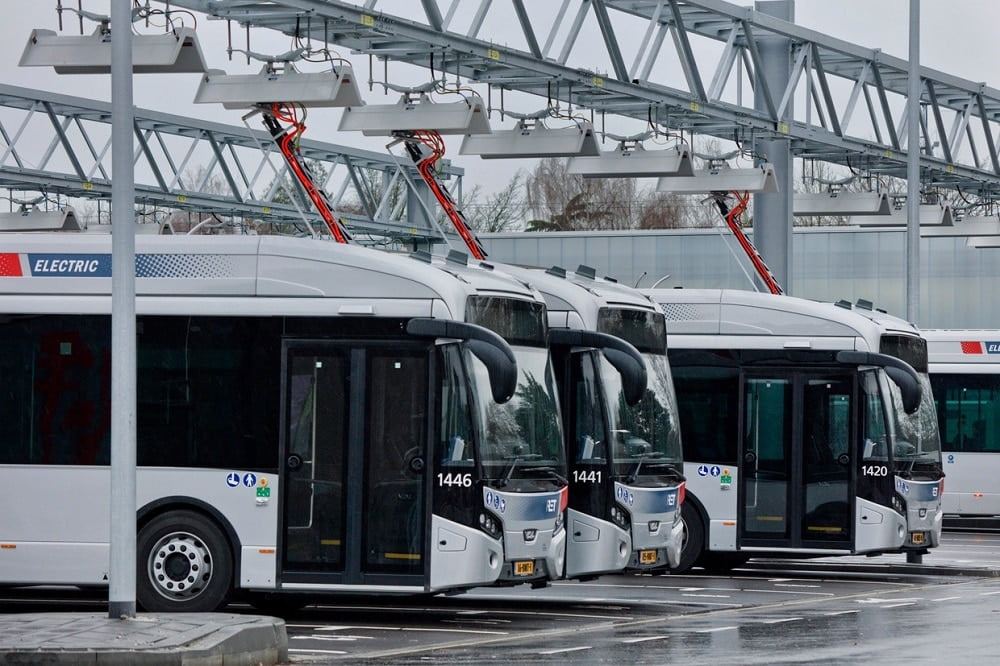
[502,211]
[558,200]
[662,210]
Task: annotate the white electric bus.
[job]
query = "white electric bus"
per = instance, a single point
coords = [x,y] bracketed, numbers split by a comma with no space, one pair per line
[312,417]
[808,428]
[620,420]
[965,375]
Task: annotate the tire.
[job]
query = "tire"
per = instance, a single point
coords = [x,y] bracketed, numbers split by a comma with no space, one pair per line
[184,564]
[693,542]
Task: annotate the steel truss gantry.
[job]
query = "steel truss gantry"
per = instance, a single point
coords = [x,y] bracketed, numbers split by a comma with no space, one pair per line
[680,64]
[60,145]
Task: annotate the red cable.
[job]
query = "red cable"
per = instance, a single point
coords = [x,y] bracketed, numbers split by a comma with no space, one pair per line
[290,152]
[732,219]
[425,167]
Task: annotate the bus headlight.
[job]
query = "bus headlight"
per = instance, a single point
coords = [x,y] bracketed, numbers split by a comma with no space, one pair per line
[619,517]
[560,522]
[490,524]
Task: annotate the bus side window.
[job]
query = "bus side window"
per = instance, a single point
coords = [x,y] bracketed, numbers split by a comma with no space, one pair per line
[456,418]
[875,434]
[586,410]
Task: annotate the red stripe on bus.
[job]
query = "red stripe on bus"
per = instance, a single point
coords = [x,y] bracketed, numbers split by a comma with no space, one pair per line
[10,265]
[973,347]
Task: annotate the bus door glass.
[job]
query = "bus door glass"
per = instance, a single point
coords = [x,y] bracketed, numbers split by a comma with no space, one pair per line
[796,463]
[827,460]
[586,430]
[767,458]
[355,440]
[316,412]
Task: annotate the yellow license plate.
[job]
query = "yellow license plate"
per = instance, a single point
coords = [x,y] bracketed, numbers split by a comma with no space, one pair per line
[647,557]
[524,568]
[918,537]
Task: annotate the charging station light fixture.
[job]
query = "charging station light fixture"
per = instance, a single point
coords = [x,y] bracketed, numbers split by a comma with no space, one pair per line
[935,214]
[529,139]
[841,203]
[329,88]
[634,162]
[64,219]
[968,227]
[464,117]
[169,52]
[759,179]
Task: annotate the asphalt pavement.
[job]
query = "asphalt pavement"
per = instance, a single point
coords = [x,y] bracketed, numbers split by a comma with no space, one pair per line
[191,639]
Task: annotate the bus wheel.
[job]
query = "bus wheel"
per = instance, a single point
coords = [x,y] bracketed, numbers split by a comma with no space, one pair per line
[693,542]
[184,564]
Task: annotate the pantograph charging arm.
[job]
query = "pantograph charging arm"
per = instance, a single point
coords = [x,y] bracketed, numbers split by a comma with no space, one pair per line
[425,148]
[733,221]
[287,138]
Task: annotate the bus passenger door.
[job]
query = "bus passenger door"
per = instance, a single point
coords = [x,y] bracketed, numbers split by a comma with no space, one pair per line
[796,468]
[316,413]
[355,431]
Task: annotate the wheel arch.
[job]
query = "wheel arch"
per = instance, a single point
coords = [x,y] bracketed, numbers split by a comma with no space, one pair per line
[164,505]
[692,500]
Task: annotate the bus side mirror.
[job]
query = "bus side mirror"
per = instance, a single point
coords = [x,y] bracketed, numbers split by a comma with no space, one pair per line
[503,373]
[633,373]
[899,371]
[488,347]
[909,389]
[625,358]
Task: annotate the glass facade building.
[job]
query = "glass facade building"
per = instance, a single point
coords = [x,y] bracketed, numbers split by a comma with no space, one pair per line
[827,264]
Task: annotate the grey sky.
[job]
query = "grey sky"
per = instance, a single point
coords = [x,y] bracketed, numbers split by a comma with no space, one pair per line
[957,37]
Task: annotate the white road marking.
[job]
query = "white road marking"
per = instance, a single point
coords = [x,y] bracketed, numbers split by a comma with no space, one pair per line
[562,650]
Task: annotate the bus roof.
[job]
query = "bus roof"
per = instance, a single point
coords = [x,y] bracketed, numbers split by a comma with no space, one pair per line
[763,316]
[963,346]
[573,299]
[231,268]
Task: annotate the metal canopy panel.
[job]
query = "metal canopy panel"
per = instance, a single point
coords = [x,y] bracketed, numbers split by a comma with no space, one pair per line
[929,214]
[969,226]
[41,220]
[536,141]
[466,117]
[819,129]
[981,242]
[755,179]
[80,54]
[316,89]
[841,203]
[634,162]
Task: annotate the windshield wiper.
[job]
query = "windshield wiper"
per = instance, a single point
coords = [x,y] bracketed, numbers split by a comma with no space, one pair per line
[634,474]
[505,479]
[551,471]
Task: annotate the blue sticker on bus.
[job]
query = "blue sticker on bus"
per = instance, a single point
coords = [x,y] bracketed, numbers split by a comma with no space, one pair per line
[702,470]
[232,479]
[993,347]
[69,265]
[249,480]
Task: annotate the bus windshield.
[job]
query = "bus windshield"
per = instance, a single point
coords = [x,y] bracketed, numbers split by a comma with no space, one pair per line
[646,331]
[648,432]
[918,441]
[523,434]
